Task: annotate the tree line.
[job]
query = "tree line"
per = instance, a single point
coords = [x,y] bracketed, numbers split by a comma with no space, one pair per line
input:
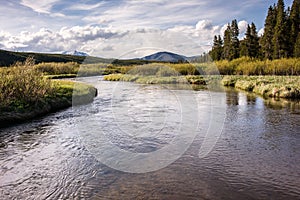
[281,37]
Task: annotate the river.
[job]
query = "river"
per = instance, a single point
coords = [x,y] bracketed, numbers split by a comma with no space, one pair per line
[254,154]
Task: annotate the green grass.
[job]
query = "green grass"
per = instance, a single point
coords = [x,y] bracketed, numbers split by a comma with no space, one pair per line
[167,73]
[268,86]
[146,79]
[59,70]
[248,66]
[60,76]
[240,66]
[53,68]
[24,88]
[199,80]
[78,93]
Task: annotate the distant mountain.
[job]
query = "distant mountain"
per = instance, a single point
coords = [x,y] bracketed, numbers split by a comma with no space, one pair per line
[75,53]
[8,58]
[166,57]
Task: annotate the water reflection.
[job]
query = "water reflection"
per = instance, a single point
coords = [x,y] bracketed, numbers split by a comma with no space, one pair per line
[264,137]
[257,156]
[237,97]
[232,97]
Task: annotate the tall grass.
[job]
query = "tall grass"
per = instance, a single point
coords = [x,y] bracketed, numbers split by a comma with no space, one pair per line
[240,66]
[268,86]
[79,70]
[22,87]
[98,69]
[53,68]
[247,66]
[159,69]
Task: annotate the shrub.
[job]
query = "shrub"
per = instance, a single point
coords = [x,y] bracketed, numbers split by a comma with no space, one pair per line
[247,66]
[57,68]
[21,87]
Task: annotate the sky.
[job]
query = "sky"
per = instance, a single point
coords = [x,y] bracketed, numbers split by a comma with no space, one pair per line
[123,28]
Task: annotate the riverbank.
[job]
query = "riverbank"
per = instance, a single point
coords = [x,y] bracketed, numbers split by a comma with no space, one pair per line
[191,79]
[287,87]
[65,94]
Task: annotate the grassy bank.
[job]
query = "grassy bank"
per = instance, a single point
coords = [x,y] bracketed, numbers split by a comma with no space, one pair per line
[254,78]
[71,69]
[26,93]
[161,74]
[240,66]
[190,79]
[268,86]
[248,66]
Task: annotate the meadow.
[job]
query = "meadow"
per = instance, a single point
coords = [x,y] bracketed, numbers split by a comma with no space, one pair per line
[268,86]
[25,85]
[25,92]
[276,78]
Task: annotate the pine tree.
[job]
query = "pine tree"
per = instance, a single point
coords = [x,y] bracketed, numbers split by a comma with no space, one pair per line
[288,39]
[297,47]
[235,44]
[294,20]
[245,44]
[216,52]
[227,42]
[219,48]
[250,46]
[267,38]
[243,48]
[254,44]
[280,37]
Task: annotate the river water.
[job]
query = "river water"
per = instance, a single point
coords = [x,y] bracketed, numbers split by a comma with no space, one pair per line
[254,154]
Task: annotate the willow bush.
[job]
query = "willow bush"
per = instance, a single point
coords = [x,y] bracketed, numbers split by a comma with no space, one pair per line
[53,68]
[22,86]
[247,66]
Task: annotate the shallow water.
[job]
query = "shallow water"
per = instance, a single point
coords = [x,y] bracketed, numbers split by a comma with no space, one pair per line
[60,156]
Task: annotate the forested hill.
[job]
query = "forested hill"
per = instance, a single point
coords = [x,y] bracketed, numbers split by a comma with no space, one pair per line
[281,37]
[8,58]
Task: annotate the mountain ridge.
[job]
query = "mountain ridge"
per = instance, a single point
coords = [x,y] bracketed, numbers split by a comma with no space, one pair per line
[165,56]
[75,53]
[8,58]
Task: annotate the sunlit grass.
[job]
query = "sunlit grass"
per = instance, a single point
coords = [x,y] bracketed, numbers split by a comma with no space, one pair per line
[22,87]
[268,86]
[53,68]
[247,66]
[25,87]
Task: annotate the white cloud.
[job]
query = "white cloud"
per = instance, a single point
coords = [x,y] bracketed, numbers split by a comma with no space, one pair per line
[40,6]
[261,32]
[82,6]
[57,15]
[224,27]
[4,35]
[108,41]
[242,27]
[204,24]
[108,48]
[116,42]
[46,40]
[156,13]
